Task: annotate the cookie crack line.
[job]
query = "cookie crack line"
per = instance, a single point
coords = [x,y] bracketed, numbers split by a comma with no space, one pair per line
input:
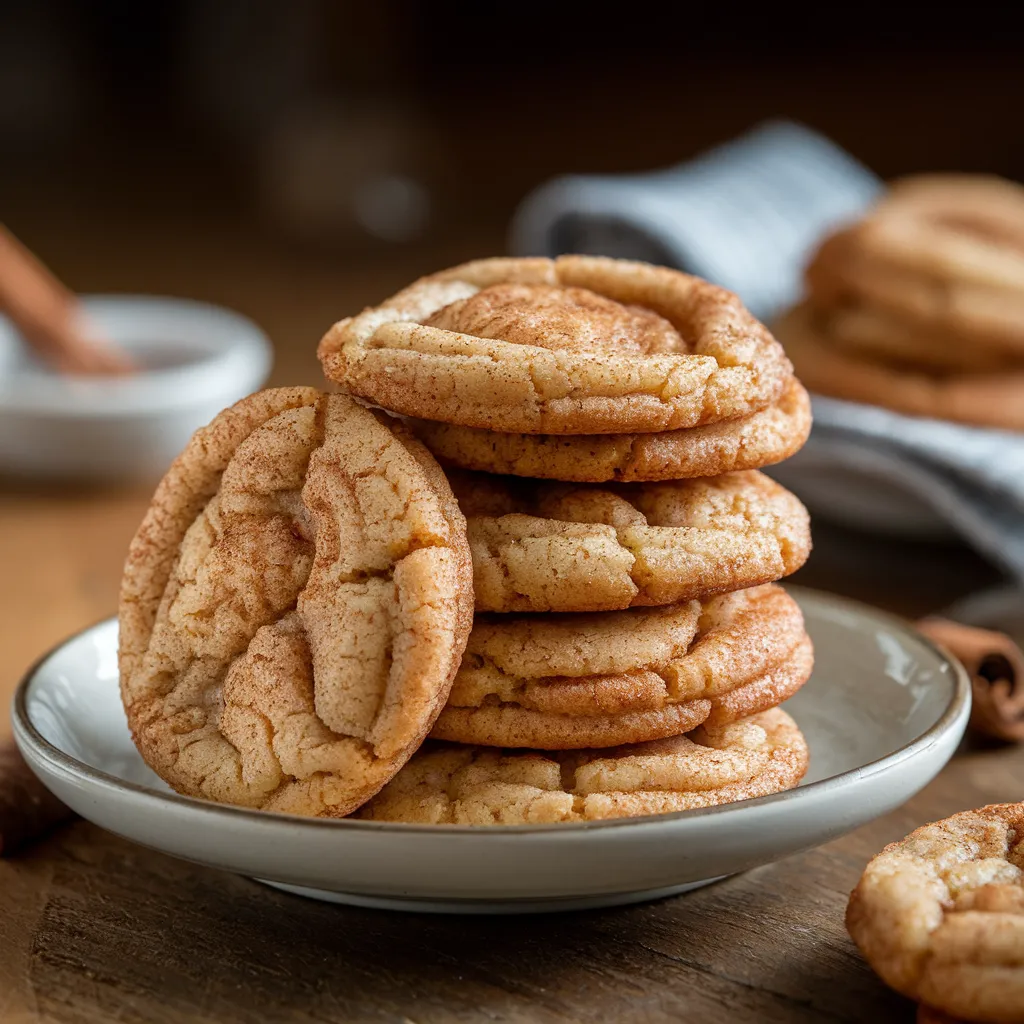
[760,439]
[539,379]
[939,915]
[266,669]
[457,784]
[544,548]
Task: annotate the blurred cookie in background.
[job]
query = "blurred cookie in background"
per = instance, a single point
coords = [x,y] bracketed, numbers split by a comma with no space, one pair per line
[919,307]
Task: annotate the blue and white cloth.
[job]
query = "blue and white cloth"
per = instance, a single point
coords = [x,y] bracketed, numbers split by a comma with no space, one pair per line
[746,215]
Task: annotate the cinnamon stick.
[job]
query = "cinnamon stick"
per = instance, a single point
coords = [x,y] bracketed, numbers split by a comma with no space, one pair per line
[996,667]
[27,808]
[47,315]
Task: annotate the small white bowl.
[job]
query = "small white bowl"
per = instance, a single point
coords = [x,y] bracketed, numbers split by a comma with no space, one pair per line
[197,360]
[883,713]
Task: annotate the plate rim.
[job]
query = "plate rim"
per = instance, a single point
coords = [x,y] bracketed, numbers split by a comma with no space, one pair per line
[71,768]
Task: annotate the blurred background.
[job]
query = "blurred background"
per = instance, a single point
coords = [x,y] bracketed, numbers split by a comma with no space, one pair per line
[297,161]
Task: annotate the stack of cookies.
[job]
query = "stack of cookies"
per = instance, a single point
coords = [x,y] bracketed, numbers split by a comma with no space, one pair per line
[579,609]
[919,307]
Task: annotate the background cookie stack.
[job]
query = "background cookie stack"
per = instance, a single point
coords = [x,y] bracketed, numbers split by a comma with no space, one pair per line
[626,598]
[919,307]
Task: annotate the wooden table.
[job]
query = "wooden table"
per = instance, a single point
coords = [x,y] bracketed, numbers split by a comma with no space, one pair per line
[93,928]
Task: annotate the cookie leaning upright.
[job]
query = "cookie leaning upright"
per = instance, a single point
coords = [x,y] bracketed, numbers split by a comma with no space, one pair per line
[294,607]
[577,345]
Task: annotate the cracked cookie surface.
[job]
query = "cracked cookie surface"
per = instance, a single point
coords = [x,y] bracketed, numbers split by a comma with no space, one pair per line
[547,547]
[558,682]
[294,606]
[577,345]
[763,438]
[940,914]
[466,785]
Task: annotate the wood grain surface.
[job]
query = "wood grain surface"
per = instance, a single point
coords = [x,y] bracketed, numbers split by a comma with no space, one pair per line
[93,928]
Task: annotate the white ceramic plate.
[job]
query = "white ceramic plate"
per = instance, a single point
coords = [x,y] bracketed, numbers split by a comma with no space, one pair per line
[883,713]
[195,358]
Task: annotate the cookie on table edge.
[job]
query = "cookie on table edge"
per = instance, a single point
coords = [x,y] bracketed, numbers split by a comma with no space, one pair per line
[939,915]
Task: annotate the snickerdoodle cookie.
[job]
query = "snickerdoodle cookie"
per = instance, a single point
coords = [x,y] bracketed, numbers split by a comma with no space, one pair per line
[875,334]
[762,438]
[940,915]
[577,345]
[559,682]
[939,253]
[919,306]
[993,398]
[294,606]
[564,547]
[461,785]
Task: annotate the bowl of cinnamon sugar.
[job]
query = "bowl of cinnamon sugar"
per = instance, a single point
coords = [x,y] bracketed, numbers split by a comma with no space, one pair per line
[184,361]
